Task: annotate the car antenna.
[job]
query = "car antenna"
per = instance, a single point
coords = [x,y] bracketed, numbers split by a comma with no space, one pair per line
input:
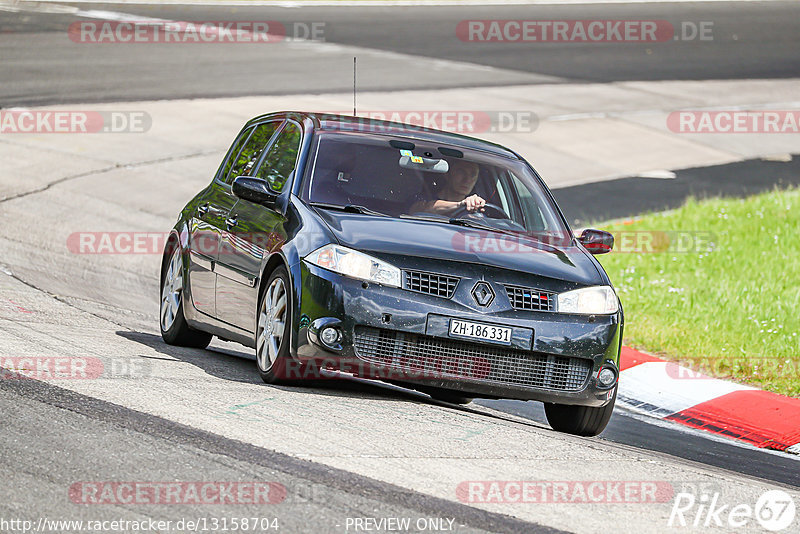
[354,86]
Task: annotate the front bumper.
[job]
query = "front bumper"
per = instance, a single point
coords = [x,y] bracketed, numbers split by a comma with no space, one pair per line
[401,336]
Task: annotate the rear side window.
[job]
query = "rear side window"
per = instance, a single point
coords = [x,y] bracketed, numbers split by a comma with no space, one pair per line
[248,155]
[281,159]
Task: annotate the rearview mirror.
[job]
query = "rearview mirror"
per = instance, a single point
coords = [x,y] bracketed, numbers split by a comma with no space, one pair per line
[596,241]
[254,190]
[409,161]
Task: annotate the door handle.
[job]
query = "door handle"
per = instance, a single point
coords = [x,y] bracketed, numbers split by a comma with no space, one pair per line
[207,208]
[231,222]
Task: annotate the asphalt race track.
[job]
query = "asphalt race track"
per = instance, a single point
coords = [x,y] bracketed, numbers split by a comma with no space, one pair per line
[750,41]
[336,451]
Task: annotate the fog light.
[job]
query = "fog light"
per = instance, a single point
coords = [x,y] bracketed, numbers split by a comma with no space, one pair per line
[606,376]
[329,336]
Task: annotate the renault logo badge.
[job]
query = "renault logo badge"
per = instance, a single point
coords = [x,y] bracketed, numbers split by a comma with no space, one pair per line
[483,294]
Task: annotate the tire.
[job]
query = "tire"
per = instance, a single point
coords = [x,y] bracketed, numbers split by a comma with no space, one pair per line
[579,420]
[275,364]
[174,328]
[447,395]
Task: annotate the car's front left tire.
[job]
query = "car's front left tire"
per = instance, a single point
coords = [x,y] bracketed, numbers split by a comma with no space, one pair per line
[579,420]
[174,328]
[446,395]
[274,324]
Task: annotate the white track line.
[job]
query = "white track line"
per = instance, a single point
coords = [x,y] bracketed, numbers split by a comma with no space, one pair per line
[400,3]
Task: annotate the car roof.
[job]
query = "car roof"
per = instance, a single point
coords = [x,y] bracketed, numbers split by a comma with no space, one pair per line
[349,123]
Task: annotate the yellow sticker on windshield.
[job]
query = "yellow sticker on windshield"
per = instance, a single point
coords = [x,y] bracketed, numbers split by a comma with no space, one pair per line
[417,159]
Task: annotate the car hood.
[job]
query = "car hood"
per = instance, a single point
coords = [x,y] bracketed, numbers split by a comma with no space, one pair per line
[394,239]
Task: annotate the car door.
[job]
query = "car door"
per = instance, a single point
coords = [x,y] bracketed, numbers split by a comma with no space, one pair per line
[208,221]
[204,228]
[253,232]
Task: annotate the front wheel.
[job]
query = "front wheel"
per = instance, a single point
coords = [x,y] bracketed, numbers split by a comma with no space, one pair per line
[579,420]
[446,395]
[275,365]
[174,328]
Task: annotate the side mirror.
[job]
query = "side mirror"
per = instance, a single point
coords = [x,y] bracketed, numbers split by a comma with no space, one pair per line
[596,241]
[254,190]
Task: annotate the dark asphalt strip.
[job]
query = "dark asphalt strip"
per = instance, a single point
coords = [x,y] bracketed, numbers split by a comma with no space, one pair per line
[334,478]
[628,197]
[747,40]
[628,430]
[41,66]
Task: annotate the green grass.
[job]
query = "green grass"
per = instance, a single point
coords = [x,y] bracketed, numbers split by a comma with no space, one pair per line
[732,311]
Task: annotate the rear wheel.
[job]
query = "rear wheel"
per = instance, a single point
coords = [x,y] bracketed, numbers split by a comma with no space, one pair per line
[275,365]
[174,328]
[579,420]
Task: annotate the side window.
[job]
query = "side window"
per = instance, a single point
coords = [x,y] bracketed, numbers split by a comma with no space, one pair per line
[501,194]
[281,158]
[248,156]
[234,152]
[533,215]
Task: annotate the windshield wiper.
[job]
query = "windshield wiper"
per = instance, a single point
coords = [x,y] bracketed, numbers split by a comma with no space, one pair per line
[480,226]
[475,224]
[350,208]
[460,222]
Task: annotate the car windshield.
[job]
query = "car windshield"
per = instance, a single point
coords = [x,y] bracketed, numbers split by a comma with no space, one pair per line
[408,178]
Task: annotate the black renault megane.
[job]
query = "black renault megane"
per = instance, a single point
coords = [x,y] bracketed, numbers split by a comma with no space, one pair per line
[336,245]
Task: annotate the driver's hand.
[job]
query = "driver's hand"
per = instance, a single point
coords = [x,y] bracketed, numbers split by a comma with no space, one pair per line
[473,203]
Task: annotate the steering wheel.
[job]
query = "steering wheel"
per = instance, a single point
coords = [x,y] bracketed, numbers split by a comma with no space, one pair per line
[497,211]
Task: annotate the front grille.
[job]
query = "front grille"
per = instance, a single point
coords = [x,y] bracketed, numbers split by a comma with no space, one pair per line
[526,298]
[438,285]
[419,356]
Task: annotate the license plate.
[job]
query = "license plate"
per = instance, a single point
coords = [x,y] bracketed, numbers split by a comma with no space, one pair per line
[484,332]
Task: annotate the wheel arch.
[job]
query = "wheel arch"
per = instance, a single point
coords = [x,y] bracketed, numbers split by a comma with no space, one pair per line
[275,260]
[178,236]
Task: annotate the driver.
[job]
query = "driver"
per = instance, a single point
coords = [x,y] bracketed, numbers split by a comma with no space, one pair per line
[456,192]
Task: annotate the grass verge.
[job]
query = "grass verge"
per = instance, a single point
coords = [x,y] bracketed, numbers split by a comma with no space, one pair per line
[715,284]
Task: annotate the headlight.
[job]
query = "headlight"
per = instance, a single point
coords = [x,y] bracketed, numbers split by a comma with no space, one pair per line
[589,301]
[355,264]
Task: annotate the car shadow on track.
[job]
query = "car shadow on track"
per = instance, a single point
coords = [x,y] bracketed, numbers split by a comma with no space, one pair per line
[239,366]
